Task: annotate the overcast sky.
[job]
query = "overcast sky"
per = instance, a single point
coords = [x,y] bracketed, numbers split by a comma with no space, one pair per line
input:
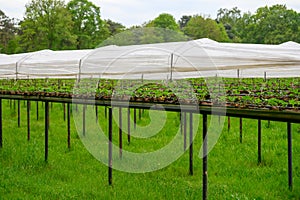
[136,12]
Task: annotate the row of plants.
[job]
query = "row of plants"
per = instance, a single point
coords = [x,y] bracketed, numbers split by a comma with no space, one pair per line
[276,93]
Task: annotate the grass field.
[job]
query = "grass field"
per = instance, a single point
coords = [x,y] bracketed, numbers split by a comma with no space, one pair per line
[233,172]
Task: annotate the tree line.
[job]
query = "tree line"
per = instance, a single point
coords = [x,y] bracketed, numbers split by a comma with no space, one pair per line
[52,24]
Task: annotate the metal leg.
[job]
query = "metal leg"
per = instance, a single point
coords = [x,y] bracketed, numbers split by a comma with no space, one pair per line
[46,129]
[184,131]
[37,110]
[128,125]
[83,119]
[120,131]
[241,130]
[134,117]
[204,171]
[228,121]
[290,161]
[191,144]
[110,147]
[1,141]
[28,120]
[69,126]
[19,113]
[259,141]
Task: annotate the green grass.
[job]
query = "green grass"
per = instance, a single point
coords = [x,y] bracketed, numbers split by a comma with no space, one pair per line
[233,172]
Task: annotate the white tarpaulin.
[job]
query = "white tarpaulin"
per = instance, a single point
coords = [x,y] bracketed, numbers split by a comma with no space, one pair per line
[176,60]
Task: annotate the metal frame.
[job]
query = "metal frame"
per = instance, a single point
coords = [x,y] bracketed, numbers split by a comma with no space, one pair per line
[260,114]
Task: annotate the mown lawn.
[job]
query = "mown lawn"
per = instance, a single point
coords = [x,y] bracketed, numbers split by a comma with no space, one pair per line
[233,172]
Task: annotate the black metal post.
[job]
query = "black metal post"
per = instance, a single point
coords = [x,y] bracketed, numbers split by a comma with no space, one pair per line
[290,161]
[1,141]
[28,120]
[69,125]
[120,132]
[259,141]
[191,144]
[228,121]
[128,125]
[204,171]
[96,110]
[134,118]
[110,147]
[184,131]
[181,123]
[19,113]
[46,129]
[64,108]
[83,119]
[241,130]
[37,110]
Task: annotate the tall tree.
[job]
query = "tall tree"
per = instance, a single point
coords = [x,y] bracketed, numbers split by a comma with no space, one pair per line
[47,24]
[165,21]
[272,25]
[183,21]
[199,27]
[164,29]
[230,18]
[114,27]
[89,28]
[8,30]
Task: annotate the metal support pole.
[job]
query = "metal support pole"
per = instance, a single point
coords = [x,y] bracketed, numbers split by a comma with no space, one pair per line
[171,66]
[134,118]
[110,147]
[69,125]
[128,125]
[181,123]
[83,119]
[259,141]
[64,108]
[1,141]
[290,161]
[241,130]
[46,129]
[37,110]
[184,131]
[96,110]
[120,131]
[228,121]
[204,171]
[19,113]
[28,120]
[191,144]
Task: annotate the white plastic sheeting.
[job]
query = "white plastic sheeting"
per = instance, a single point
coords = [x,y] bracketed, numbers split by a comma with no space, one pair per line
[176,60]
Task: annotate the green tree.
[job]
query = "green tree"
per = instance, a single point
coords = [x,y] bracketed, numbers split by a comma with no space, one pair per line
[89,28]
[272,25]
[114,27]
[199,27]
[144,35]
[230,19]
[183,21]
[8,30]
[47,24]
[165,21]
